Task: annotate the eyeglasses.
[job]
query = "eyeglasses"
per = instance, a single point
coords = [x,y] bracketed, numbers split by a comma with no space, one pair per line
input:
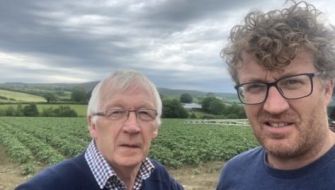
[290,87]
[142,114]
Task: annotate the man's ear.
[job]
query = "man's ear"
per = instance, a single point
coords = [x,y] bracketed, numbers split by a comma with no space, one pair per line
[155,132]
[329,87]
[91,126]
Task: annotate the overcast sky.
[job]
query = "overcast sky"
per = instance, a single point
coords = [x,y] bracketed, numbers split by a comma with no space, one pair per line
[176,43]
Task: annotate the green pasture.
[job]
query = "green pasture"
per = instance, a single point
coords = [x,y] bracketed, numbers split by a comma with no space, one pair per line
[12,96]
[79,108]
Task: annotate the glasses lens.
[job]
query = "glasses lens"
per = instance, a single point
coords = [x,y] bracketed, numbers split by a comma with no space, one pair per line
[252,93]
[115,114]
[296,86]
[146,114]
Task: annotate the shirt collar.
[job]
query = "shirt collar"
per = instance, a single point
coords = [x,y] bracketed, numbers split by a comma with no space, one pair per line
[102,171]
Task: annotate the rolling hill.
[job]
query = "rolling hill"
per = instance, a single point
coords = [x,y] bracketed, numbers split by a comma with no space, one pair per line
[63,90]
[7,96]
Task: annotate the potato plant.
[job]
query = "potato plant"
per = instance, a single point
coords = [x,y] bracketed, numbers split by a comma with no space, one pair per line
[32,141]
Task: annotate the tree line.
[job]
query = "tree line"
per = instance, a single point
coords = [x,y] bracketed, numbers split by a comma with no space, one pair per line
[30,110]
[211,108]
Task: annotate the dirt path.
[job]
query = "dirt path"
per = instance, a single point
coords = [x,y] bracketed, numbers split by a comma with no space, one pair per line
[10,174]
[203,177]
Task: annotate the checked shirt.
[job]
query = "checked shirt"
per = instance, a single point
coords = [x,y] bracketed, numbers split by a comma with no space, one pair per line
[106,176]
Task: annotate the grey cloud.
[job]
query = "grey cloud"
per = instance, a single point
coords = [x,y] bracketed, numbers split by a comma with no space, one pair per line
[100,36]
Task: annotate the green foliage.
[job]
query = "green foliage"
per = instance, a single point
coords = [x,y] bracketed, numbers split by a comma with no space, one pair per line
[19,110]
[193,115]
[206,103]
[186,98]
[3,98]
[33,141]
[234,111]
[61,111]
[50,97]
[28,169]
[216,107]
[213,105]
[30,110]
[10,111]
[186,144]
[79,95]
[173,109]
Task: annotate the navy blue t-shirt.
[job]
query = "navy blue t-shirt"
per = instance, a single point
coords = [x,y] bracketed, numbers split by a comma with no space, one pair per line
[250,171]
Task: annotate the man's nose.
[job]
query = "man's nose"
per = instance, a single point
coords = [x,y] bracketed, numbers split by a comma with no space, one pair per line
[131,125]
[275,103]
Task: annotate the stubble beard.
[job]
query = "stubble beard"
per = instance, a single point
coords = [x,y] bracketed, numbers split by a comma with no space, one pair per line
[307,136]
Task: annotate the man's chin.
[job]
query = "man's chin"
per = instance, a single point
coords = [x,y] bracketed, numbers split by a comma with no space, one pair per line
[280,148]
[130,161]
[281,151]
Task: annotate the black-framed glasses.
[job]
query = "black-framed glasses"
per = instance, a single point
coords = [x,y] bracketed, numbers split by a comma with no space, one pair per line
[290,87]
[142,114]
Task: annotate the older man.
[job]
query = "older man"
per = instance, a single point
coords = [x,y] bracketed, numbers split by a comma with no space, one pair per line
[124,117]
[283,63]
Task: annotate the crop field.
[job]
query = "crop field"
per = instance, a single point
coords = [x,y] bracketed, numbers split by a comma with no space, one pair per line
[36,141]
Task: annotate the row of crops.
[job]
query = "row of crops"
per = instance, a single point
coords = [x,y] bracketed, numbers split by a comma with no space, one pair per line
[34,142]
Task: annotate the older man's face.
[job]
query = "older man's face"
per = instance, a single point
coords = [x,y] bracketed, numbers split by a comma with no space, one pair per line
[125,142]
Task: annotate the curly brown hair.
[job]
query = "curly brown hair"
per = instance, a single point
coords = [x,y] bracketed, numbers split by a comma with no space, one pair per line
[275,37]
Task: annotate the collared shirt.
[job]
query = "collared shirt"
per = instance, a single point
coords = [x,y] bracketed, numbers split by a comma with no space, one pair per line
[106,176]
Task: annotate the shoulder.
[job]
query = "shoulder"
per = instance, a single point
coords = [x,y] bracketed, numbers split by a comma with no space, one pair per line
[62,175]
[161,179]
[241,162]
[246,157]
[242,166]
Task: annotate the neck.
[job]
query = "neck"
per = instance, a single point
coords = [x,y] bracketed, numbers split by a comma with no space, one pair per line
[127,175]
[304,159]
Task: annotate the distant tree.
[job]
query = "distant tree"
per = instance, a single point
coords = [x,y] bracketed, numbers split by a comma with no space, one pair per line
[61,111]
[30,110]
[48,112]
[216,107]
[10,111]
[234,111]
[65,111]
[19,110]
[2,112]
[50,97]
[186,98]
[193,116]
[79,95]
[173,109]
[205,104]
[3,97]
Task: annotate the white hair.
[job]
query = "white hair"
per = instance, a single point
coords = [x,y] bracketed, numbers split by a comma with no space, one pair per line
[121,80]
